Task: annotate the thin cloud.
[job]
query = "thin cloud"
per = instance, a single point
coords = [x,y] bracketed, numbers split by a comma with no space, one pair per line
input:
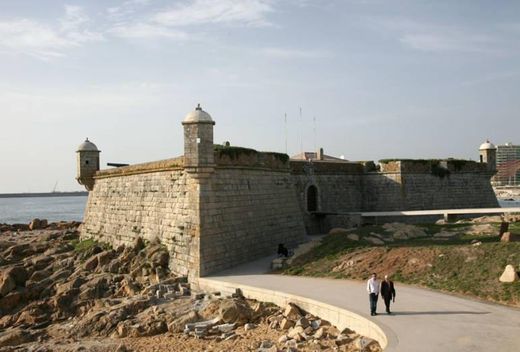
[126,9]
[285,53]
[231,12]
[165,23]
[41,40]
[146,30]
[74,18]
[435,38]
[444,41]
[58,104]
[32,38]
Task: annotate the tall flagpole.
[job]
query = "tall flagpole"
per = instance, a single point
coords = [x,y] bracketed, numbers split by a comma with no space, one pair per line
[314,130]
[286,133]
[301,133]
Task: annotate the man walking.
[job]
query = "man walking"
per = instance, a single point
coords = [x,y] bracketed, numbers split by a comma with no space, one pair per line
[388,292]
[373,292]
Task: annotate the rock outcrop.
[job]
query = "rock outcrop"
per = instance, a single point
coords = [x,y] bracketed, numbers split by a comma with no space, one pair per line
[55,289]
[510,237]
[509,274]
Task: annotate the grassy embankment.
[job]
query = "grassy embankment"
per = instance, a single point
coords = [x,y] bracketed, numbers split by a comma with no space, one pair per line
[452,265]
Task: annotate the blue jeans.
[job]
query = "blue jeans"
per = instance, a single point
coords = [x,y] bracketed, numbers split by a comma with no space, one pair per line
[373,303]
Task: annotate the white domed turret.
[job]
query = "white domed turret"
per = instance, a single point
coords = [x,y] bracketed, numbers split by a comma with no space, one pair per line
[197,115]
[488,155]
[487,145]
[198,139]
[87,164]
[87,146]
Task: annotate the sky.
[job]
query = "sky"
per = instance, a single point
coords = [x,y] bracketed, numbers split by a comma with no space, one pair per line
[374,79]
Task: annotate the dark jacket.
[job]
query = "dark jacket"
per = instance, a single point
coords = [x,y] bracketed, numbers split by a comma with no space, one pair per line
[387,289]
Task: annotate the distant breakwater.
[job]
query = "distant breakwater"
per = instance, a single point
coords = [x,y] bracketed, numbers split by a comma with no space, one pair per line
[43,194]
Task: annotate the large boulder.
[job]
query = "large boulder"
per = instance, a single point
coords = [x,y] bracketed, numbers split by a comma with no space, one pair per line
[41,261]
[94,288]
[10,301]
[70,285]
[34,314]
[338,231]
[91,264]
[127,288]
[15,337]
[40,275]
[160,258]
[374,240]
[7,284]
[18,274]
[18,250]
[353,237]
[138,244]
[445,234]
[401,231]
[509,274]
[295,331]
[292,312]
[510,237]
[235,311]
[286,324]
[37,224]
[178,324]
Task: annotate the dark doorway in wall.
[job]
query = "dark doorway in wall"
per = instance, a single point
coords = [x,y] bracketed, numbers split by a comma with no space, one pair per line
[312,198]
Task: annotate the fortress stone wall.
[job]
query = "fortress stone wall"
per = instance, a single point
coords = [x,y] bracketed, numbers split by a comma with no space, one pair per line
[391,192]
[399,185]
[339,189]
[155,200]
[419,185]
[219,206]
[245,214]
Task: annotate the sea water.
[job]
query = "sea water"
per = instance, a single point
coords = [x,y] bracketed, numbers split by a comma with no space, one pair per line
[24,209]
[509,203]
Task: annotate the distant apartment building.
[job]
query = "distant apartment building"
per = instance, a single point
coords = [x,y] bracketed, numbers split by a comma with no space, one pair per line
[508,165]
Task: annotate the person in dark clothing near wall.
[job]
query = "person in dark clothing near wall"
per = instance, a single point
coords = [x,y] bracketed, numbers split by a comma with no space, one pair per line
[388,292]
[282,251]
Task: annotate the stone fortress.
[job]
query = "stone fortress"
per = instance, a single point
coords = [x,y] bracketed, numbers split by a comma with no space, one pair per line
[217,205]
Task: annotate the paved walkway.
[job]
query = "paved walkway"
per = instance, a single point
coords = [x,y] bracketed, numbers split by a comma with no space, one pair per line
[423,320]
[443,212]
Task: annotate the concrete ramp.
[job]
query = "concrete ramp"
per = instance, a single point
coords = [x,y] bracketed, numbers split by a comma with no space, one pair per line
[423,320]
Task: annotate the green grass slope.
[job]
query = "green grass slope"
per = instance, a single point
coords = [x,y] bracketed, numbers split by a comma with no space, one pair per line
[468,262]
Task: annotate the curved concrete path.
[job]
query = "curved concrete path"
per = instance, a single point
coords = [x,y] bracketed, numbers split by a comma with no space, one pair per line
[423,320]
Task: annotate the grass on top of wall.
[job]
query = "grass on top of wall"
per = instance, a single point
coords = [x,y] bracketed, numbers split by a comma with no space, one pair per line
[235,152]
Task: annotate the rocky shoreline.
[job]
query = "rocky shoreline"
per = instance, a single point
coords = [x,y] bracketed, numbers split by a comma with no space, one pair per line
[58,293]
[39,224]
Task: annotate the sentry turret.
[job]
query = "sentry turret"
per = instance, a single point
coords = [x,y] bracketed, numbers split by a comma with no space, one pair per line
[488,154]
[198,139]
[87,164]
